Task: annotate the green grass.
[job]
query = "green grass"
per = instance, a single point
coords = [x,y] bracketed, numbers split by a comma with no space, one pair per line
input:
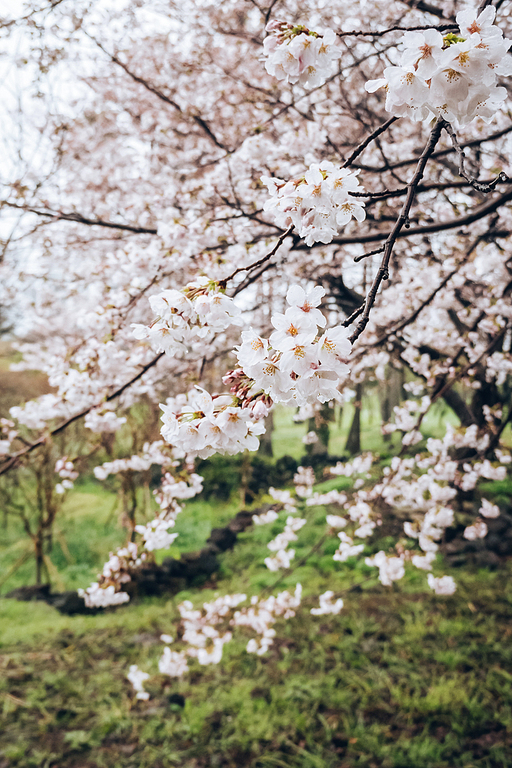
[397,679]
[89,527]
[401,678]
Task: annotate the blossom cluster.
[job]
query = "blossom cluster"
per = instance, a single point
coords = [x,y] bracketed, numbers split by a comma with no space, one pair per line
[107,590]
[267,517]
[454,77]
[152,453]
[205,631]
[297,54]
[326,604]
[202,425]
[359,465]
[279,545]
[390,568]
[407,416]
[8,433]
[66,471]
[103,420]
[189,318]
[285,498]
[295,365]
[262,615]
[304,480]
[317,204]
[137,678]
[442,585]
[154,534]
[330,497]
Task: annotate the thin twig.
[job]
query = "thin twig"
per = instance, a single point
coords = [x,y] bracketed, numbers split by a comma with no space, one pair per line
[483,5]
[355,314]
[480,186]
[420,28]
[14,458]
[383,271]
[79,219]
[449,384]
[440,152]
[282,237]
[456,223]
[368,140]
[370,253]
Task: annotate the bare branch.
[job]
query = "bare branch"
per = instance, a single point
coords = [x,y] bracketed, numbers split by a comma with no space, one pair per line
[78,218]
[480,186]
[381,33]
[359,149]
[402,220]
[261,261]
[439,153]
[13,459]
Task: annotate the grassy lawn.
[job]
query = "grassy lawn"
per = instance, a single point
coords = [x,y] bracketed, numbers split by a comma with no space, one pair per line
[400,678]
[88,528]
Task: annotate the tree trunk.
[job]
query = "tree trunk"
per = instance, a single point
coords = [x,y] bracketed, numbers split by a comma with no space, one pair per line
[319,424]
[353,444]
[393,394]
[38,545]
[265,448]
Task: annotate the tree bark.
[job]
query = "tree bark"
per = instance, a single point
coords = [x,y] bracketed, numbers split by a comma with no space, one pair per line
[265,448]
[353,444]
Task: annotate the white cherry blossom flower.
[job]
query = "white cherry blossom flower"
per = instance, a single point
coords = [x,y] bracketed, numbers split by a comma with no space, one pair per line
[442,585]
[489,510]
[307,302]
[137,678]
[326,606]
[476,531]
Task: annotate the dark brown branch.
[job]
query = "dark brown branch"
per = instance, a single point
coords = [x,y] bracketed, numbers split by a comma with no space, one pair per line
[443,390]
[411,318]
[79,219]
[362,146]
[383,273]
[483,5]
[422,5]
[480,186]
[438,186]
[439,153]
[370,253]
[420,28]
[13,459]
[461,221]
[223,283]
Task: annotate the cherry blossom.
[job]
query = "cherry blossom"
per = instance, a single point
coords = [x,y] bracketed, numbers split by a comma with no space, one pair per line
[246,234]
[316,204]
[137,678]
[299,55]
[443,585]
[326,605]
[450,77]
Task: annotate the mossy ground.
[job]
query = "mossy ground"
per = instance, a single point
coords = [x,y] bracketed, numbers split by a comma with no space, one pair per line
[400,678]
